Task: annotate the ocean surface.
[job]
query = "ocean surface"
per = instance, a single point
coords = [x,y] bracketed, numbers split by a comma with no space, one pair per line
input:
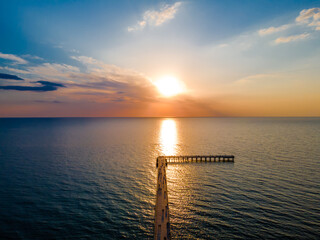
[95,178]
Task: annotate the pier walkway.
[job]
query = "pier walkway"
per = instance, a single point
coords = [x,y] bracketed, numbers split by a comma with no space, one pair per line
[196,158]
[161,219]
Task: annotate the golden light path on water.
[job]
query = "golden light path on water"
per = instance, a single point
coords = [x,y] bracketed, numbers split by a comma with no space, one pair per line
[180,195]
[168,137]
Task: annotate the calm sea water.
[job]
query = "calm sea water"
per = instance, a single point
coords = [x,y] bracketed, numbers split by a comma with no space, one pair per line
[96,178]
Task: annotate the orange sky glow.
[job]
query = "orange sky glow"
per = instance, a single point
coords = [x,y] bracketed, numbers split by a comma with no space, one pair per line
[162,60]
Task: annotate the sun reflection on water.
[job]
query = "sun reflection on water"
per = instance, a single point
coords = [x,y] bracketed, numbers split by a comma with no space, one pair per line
[178,175]
[168,137]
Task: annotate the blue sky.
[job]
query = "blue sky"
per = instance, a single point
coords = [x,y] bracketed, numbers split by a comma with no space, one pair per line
[236,58]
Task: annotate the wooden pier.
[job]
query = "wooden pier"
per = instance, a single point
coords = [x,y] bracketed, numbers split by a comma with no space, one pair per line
[196,158]
[161,219]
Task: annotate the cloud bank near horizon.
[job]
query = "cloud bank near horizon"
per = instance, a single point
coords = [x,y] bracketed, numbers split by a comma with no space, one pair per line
[98,89]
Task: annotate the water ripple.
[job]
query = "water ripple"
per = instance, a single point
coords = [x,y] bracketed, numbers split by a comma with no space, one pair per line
[95,179]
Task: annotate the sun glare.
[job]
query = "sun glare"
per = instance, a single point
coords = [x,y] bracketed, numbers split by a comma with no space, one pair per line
[169,86]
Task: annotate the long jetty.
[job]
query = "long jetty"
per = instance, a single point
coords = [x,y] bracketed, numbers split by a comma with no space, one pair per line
[161,219]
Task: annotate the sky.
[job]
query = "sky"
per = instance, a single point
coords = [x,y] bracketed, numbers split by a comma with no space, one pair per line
[104,58]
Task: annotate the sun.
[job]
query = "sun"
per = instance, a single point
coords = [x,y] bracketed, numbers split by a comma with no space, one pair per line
[169,86]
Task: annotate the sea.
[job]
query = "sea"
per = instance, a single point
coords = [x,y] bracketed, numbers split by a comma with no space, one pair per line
[95,178]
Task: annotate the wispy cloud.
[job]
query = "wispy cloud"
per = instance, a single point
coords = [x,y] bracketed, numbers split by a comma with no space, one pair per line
[46,101]
[254,78]
[12,57]
[271,30]
[310,16]
[222,45]
[32,57]
[87,60]
[292,38]
[100,69]
[110,83]
[307,19]
[156,18]
[52,69]
[16,70]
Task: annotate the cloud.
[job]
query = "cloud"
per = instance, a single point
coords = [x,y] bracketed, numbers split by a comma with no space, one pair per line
[292,38]
[12,57]
[307,17]
[15,70]
[107,88]
[310,16]
[53,101]
[100,69]
[32,57]
[45,87]
[96,89]
[52,69]
[271,30]
[9,77]
[222,45]
[86,60]
[156,18]
[259,79]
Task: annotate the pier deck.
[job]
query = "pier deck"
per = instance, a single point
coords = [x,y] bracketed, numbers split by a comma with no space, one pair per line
[196,158]
[161,219]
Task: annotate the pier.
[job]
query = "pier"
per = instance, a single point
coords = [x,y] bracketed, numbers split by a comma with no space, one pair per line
[161,219]
[196,158]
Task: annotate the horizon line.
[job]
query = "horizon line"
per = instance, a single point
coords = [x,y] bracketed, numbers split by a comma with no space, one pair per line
[177,117]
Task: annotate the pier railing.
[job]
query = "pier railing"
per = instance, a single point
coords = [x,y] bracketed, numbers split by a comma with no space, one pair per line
[196,158]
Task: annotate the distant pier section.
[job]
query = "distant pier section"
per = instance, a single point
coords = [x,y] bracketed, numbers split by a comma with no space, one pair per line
[195,158]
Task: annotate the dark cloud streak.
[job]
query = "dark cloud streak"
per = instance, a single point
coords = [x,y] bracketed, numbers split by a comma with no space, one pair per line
[10,77]
[46,86]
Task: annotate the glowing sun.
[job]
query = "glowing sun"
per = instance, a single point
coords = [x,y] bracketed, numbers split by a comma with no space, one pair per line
[169,86]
